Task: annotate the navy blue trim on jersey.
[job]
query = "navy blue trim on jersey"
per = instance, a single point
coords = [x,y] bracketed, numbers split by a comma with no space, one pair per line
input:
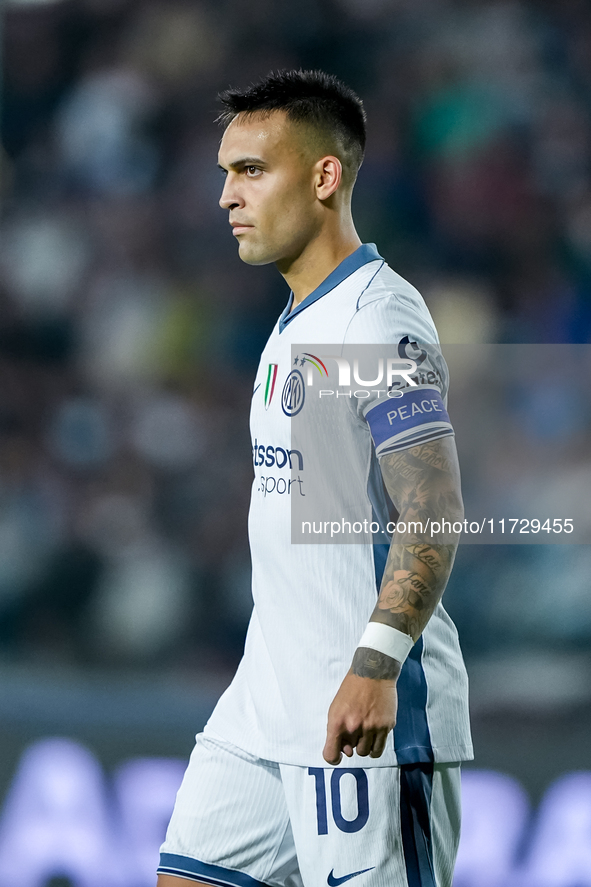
[365,253]
[195,870]
[380,556]
[412,740]
[418,438]
[416,784]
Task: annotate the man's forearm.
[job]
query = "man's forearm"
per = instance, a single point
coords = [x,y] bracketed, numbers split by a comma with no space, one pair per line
[424,483]
[411,589]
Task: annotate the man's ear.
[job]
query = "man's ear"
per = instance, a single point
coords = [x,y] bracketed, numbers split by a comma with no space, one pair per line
[329,176]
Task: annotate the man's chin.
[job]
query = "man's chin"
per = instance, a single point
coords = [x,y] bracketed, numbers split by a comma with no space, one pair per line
[252,256]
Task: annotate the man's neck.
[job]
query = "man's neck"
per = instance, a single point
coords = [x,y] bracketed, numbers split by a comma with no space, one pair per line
[317,261]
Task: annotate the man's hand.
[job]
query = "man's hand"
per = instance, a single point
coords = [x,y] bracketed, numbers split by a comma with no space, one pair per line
[361,715]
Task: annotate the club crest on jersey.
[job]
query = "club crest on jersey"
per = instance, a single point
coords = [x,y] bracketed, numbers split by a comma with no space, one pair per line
[293,395]
[270,386]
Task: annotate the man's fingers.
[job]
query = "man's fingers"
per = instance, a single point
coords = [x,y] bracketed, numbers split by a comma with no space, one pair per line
[365,744]
[371,742]
[332,749]
[332,757]
[338,743]
[379,744]
[334,762]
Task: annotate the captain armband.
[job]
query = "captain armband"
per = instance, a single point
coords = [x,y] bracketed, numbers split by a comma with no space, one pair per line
[408,418]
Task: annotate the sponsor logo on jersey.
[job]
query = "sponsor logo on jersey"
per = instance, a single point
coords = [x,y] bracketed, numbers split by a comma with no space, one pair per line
[403,347]
[270,386]
[334,882]
[407,350]
[269,455]
[294,393]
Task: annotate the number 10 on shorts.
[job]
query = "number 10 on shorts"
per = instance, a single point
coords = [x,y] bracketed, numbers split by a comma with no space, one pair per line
[345,825]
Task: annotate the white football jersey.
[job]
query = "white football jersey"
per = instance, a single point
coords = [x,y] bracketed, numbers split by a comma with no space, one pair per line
[312,601]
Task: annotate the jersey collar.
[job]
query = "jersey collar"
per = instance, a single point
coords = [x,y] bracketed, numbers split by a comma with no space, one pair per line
[365,253]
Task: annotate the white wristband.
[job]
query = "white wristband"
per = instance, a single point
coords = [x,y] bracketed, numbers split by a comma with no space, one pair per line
[387,640]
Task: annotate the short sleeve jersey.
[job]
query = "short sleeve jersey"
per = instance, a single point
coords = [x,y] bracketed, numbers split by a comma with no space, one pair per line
[312,602]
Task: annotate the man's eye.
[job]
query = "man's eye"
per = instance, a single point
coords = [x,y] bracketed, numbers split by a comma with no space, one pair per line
[252,171]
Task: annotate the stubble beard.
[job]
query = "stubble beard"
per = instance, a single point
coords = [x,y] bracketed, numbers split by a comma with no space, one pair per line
[256,253]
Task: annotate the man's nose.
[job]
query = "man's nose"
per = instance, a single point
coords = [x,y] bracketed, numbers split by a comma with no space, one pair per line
[230,198]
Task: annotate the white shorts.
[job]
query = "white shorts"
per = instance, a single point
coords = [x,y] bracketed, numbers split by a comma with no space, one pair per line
[245,822]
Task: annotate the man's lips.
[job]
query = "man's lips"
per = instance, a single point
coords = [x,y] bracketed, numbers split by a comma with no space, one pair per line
[240,228]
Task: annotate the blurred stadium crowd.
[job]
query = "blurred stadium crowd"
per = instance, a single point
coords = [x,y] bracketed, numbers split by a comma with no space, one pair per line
[130,332]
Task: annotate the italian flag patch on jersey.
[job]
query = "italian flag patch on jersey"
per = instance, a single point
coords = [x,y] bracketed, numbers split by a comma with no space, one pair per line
[270,387]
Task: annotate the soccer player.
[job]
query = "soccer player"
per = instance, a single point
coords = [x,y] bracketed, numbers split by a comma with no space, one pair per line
[348,652]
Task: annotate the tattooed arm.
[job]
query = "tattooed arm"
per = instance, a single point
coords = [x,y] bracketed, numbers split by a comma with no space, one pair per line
[424,484]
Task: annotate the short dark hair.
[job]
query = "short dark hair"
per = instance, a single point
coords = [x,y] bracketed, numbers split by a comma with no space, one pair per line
[315,98]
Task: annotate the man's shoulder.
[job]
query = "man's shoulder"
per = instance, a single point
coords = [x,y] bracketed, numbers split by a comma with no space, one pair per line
[388,308]
[386,285]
